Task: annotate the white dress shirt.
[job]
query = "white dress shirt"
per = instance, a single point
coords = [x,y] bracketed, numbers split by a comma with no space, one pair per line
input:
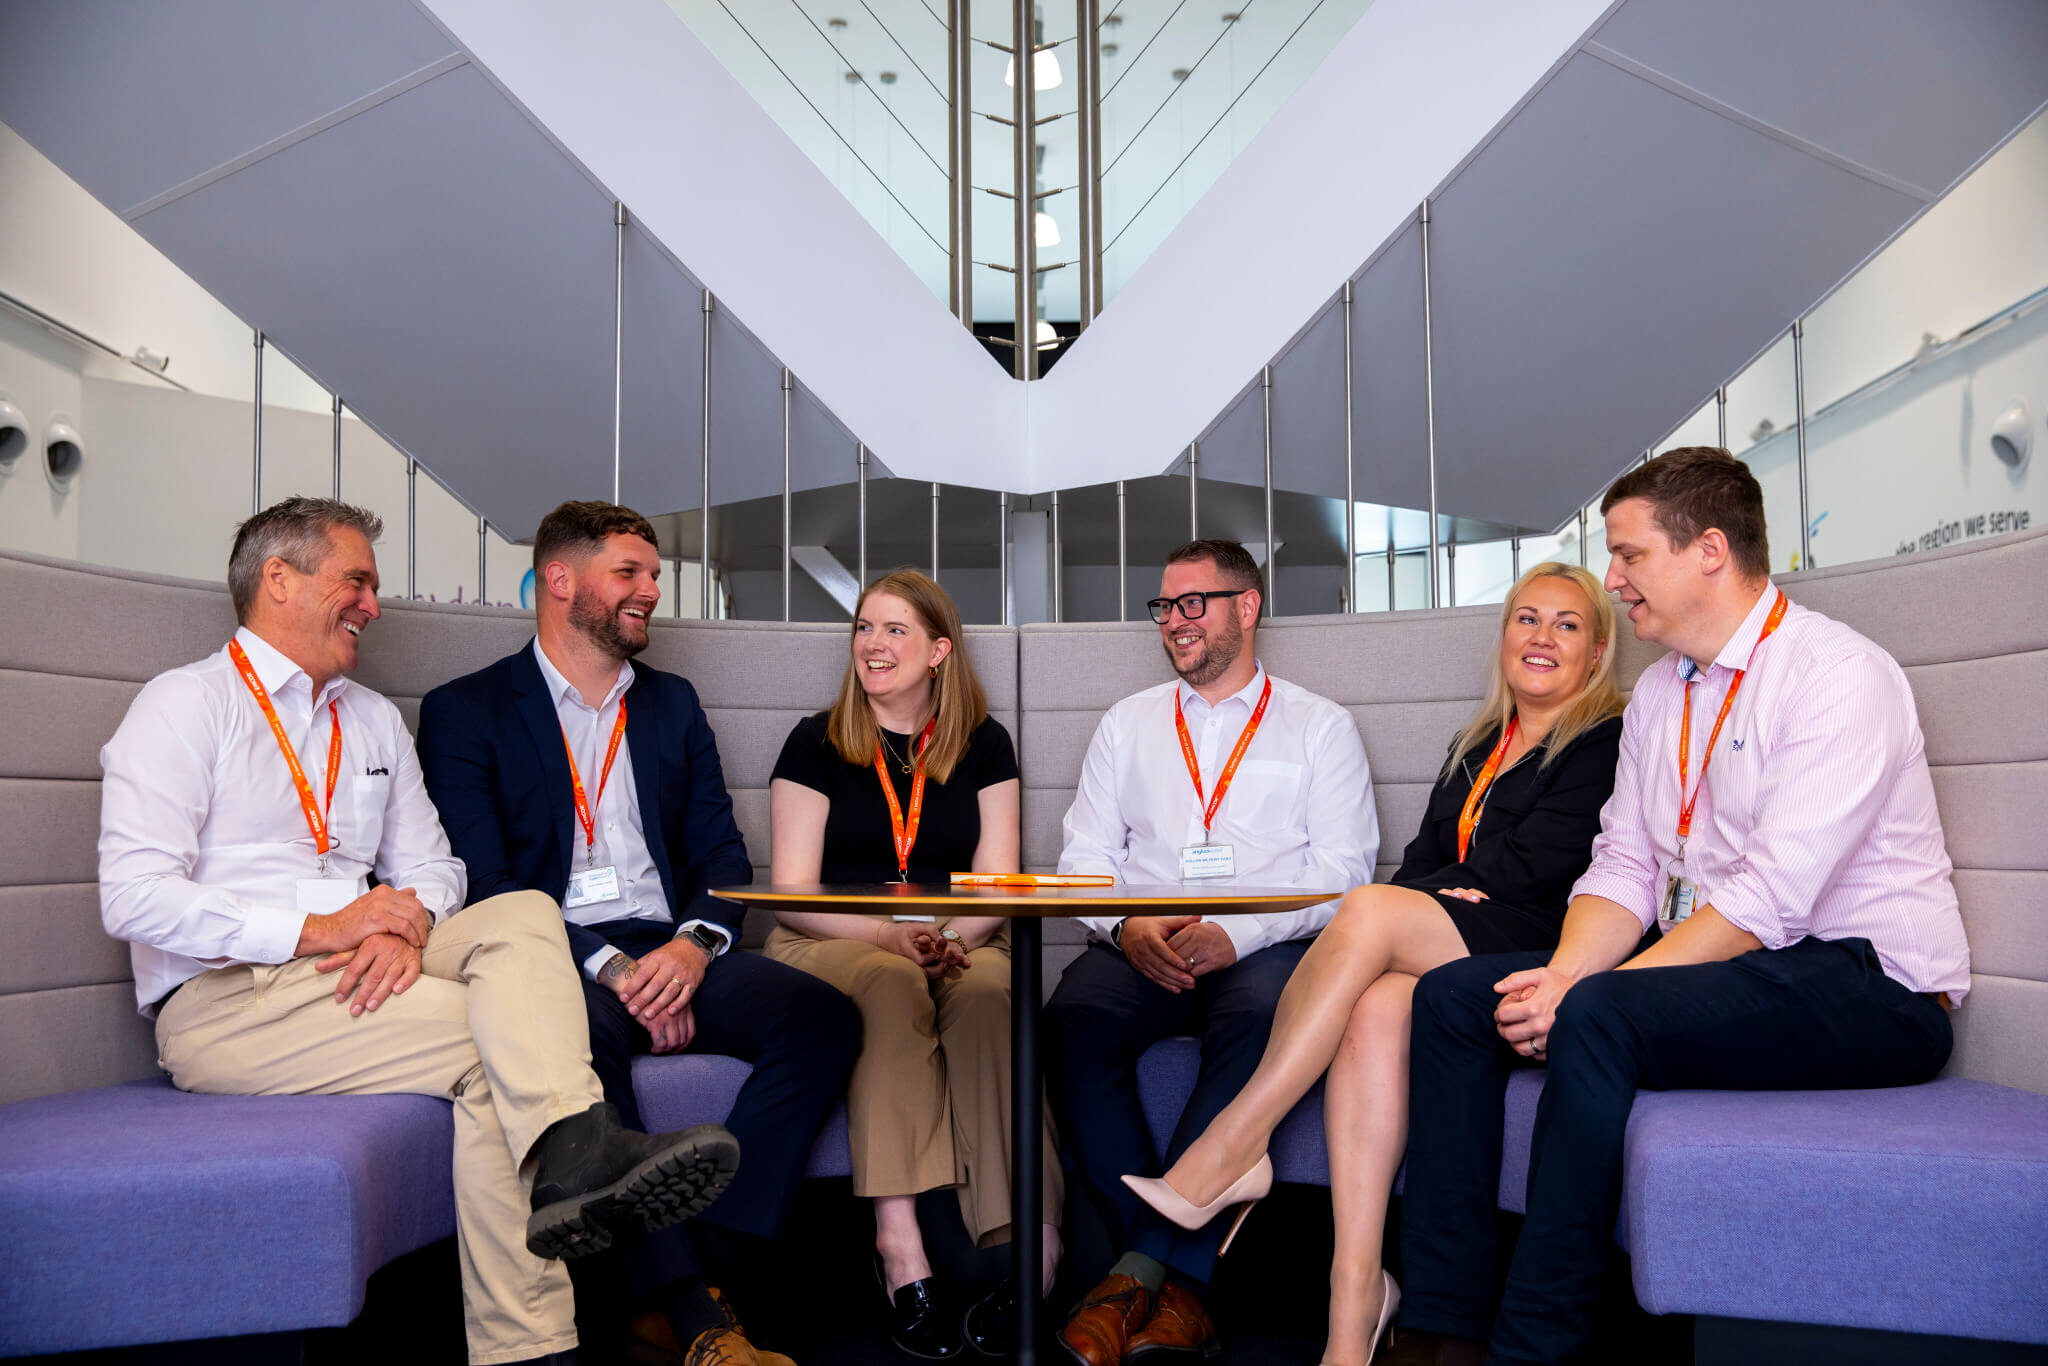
[1817,815]
[621,835]
[1299,812]
[202,838]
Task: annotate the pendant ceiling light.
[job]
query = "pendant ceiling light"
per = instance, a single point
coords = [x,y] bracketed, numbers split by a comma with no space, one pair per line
[1045,71]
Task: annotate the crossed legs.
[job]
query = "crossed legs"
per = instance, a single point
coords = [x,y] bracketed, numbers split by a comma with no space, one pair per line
[1345,1012]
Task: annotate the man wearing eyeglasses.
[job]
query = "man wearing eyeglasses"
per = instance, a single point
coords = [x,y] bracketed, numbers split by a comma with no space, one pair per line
[1225,775]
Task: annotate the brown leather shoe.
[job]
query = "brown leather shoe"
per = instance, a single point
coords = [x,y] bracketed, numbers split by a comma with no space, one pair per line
[1179,1329]
[1102,1324]
[651,1343]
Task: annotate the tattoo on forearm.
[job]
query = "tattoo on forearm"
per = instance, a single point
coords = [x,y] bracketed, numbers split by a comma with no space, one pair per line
[615,971]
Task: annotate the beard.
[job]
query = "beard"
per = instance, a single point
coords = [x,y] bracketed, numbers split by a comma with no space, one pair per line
[600,625]
[1219,651]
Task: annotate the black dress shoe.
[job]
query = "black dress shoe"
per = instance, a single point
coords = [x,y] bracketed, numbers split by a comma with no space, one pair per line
[920,1322]
[593,1176]
[990,1324]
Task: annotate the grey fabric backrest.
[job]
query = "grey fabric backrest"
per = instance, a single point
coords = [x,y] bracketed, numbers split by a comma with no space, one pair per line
[77,643]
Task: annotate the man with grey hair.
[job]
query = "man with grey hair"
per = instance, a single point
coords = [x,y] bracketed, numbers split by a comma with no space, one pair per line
[272,965]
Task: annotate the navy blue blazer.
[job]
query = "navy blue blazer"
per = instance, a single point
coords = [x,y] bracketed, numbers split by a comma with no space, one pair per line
[490,748]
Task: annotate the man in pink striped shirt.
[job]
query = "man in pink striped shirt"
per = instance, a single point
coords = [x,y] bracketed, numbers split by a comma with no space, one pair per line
[1773,816]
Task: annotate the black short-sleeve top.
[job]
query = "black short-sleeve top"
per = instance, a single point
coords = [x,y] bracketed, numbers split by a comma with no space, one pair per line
[859,843]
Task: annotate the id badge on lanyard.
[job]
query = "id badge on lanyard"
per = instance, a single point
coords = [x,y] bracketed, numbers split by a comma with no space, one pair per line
[1681,894]
[590,884]
[1210,859]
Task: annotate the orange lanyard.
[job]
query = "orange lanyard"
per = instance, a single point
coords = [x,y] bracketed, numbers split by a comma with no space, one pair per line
[1685,726]
[1187,752]
[1475,801]
[584,814]
[905,831]
[316,815]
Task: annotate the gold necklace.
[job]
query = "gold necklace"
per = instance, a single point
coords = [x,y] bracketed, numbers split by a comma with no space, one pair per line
[904,764]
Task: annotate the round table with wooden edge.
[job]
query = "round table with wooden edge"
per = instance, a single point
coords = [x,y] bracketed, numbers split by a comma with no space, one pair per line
[1026,907]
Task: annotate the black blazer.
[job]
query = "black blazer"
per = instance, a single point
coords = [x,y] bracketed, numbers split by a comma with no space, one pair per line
[490,749]
[1535,835]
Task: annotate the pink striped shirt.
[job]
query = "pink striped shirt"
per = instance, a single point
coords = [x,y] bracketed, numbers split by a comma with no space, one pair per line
[1817,816]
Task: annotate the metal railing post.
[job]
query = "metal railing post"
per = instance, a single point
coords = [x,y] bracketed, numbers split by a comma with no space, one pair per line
[1088,105]
[1272,569]
[1451,566]
[860,454]
[337,448]
[960,159]
[788,550]
[1799,401]
[1582,537]
[704,472]
[1003,558]
[256,445]
[676,596]
[483,551]
[1024,142]
[1058,569]
[412,529]
[1350,479]
[1515,557]
[1393,603]
[935,531]
[1194,491]
[1721,414]
[1429,394]
[1123,553]
[618,341]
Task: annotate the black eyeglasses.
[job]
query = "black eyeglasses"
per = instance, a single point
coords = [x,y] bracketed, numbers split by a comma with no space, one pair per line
[1191,605]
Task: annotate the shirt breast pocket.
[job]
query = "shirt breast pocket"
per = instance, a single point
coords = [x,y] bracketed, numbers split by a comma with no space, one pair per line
[1267,793]
[359,813]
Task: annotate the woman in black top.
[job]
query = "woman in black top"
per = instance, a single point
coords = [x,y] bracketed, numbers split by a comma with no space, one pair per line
[929,1102]
[1490,870]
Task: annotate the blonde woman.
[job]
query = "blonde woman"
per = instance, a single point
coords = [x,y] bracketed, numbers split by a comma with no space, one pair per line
[908,776]
[1510,826]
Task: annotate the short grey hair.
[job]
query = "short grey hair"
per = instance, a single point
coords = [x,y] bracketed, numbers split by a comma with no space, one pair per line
[294,531]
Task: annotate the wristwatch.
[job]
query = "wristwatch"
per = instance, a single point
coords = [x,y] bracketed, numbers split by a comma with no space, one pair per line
[704,937]
[1116,935]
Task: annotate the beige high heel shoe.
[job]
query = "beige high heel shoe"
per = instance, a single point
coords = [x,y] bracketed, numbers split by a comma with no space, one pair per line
[1390,1300]
[1247,1191]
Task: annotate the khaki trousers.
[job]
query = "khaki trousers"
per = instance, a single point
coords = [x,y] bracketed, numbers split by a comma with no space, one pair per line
[929,1102]
[494,1023]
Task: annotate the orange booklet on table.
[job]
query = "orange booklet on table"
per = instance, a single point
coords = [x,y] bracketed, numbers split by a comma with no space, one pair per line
[1033,880]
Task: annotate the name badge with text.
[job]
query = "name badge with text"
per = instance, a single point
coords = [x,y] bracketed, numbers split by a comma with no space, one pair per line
[590,886]
[1199,861]
[1680,895]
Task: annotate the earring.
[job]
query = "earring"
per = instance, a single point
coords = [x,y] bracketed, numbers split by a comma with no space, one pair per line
[933,671]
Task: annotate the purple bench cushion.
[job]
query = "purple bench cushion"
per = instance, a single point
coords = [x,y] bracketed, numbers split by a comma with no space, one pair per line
[1923,1209]
[677,1092]
[139,1213]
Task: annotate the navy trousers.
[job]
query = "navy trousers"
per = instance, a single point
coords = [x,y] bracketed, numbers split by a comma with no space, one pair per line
[802,1037]
[1818,1015]
[1100,1021]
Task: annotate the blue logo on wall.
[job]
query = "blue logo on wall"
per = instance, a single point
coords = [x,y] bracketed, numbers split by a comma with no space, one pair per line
[526,590]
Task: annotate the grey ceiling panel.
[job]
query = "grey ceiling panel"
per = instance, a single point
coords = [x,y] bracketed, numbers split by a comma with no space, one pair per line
[821,450]
[439,256]
[1917,89]
[1308,409]
[1387,376]
[662,408]
[134,98]
[1234,447]
[1577,310]
[746,415]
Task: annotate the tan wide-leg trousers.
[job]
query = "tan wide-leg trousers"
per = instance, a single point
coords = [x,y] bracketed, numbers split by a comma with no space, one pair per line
[929,1102]
[495,1023]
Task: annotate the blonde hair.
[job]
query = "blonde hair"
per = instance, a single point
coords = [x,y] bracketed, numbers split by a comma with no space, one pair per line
[957,697]
[1597,701]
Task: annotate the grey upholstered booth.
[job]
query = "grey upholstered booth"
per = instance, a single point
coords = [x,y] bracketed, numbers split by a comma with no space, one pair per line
[76,644]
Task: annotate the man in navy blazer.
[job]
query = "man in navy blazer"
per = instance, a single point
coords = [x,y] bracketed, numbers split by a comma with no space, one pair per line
[566,769]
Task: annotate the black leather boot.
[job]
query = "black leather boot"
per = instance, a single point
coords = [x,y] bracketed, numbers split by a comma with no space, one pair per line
[990,1324]
[592,1176]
